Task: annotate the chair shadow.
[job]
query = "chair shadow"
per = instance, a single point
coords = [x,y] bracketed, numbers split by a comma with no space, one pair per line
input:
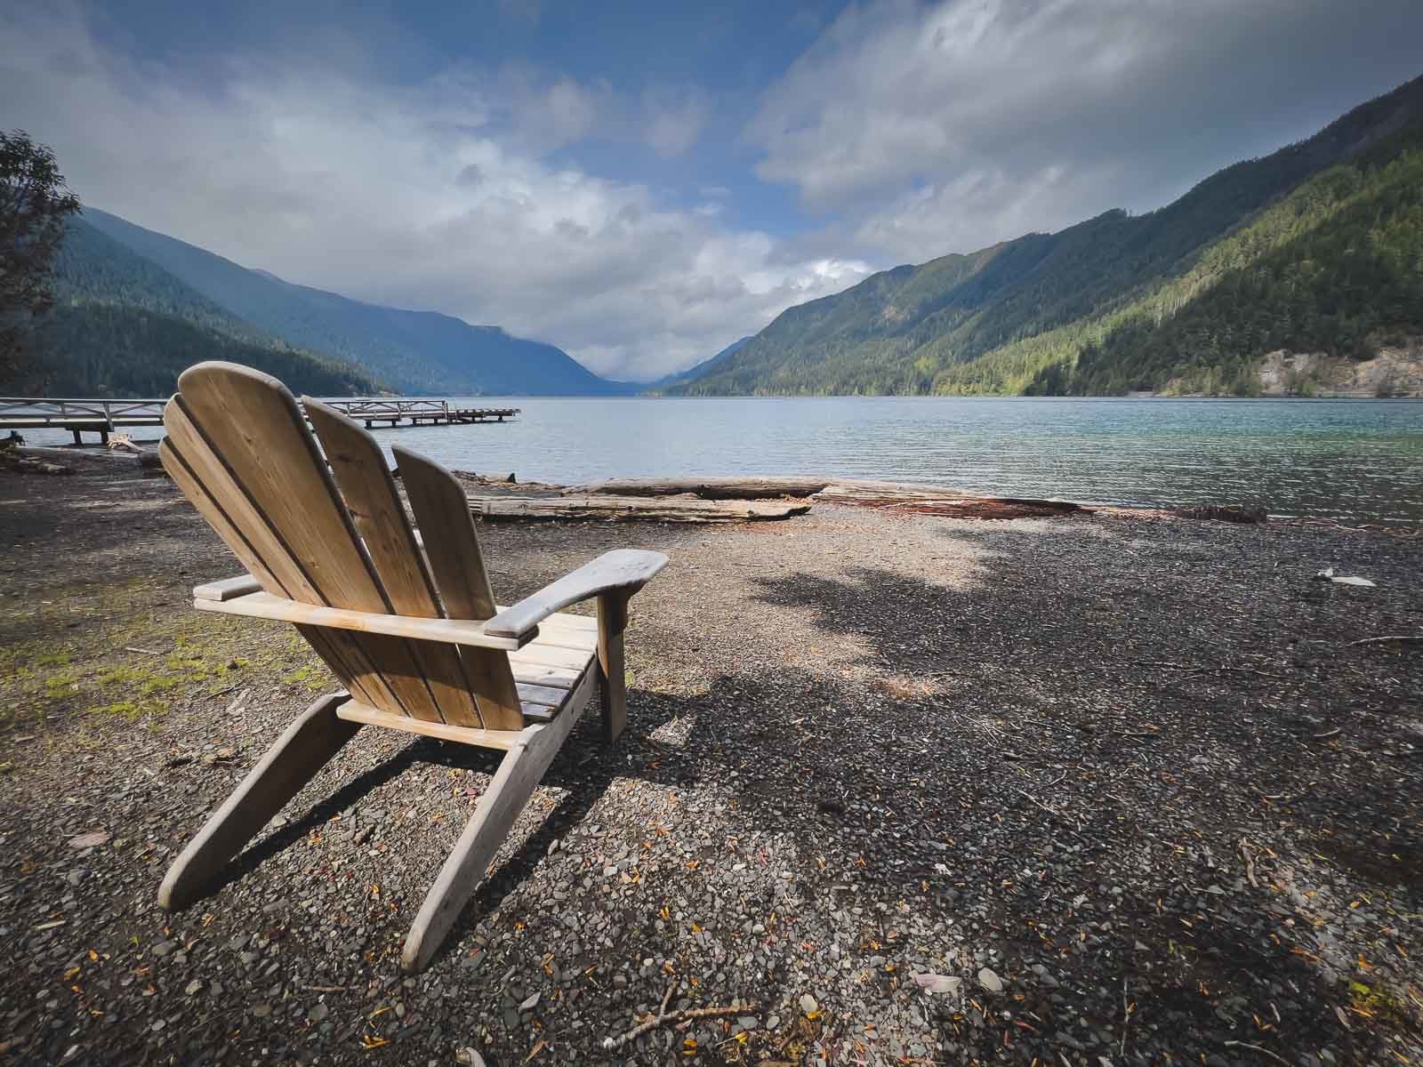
[585,768]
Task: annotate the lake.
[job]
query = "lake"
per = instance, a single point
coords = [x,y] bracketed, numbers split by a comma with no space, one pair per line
[1343,459]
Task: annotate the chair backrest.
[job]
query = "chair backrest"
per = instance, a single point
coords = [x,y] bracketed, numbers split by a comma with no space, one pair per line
[239,448]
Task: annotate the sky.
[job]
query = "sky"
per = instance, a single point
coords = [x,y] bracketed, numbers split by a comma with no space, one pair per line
[642,184]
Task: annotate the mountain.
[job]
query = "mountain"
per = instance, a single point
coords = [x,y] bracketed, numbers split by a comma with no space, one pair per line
[411,351]
[697,370]
[1315,248]
[124,326]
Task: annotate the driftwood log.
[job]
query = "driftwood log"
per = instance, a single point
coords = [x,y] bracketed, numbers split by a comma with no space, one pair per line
[632,509]
[729,488]
[852,491]
[949,503]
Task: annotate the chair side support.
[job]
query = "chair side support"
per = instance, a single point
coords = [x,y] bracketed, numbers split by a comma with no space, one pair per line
[518,776]
[302,750]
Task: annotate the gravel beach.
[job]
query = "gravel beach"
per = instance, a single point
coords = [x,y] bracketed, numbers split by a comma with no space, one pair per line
[896,788]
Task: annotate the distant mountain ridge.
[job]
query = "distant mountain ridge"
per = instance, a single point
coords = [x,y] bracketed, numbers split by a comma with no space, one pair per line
[124,326]
[409,351]
[706,366]
[1315,247]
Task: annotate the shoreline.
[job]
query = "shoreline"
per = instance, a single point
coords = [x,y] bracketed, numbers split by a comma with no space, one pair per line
[900,494]
[864,744]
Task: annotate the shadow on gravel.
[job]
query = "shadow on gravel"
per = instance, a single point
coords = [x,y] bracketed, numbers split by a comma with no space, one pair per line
[315,817]
[584,768]
[1076,774]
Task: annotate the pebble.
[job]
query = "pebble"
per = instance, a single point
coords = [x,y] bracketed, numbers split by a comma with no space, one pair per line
[990,981]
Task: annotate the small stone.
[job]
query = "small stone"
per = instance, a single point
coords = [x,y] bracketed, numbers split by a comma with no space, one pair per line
[162,948]
[990,981]
[318,1013]
[195,986]
[808,1004]
[530,1002]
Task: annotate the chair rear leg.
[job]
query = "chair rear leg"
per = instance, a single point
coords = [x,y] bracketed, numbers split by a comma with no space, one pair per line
[518,776]
[302,750]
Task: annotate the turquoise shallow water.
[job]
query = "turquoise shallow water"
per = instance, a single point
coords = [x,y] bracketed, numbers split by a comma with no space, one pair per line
[1344,459]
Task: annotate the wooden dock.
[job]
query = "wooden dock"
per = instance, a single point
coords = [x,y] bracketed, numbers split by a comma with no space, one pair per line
[100,416]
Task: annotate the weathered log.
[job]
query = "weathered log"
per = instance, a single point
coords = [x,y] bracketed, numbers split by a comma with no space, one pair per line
[950,503]
[631,509]
[980,507]
[850,490]
[720,488]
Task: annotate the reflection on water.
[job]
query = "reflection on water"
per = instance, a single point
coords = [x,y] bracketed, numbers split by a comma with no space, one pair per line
[1345,459]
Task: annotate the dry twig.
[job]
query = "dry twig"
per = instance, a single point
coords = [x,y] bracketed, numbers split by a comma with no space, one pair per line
[1126,1016]
[664,1016]
[1406,639]
[1167,665]
[1039,804]
[1244,847]
[1256,1048]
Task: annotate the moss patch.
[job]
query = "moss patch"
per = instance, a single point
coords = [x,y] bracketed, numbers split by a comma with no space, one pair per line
[134,648]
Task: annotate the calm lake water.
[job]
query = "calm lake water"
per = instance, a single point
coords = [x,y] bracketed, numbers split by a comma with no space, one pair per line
[1344,459]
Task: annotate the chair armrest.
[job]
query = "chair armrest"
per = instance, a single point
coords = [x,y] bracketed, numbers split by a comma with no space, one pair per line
[227,589]
[623,569]
[259,605]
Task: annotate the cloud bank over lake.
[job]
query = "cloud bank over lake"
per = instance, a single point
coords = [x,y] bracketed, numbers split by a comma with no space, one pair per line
[510,171]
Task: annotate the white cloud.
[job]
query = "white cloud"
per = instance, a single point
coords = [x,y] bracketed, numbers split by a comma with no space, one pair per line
[944,127]
[672,123]
[432,195]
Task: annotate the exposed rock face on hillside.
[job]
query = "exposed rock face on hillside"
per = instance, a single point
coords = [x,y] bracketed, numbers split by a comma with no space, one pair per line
[1395,372]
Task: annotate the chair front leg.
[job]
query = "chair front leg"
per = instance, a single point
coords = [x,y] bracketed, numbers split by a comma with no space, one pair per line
[612,669]
[518,776]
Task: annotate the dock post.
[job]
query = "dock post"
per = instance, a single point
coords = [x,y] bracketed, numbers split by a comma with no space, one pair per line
[77,439]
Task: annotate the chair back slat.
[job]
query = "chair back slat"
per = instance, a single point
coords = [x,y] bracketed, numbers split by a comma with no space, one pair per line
[442,513]
[370,495]
[254,427]
[197,471]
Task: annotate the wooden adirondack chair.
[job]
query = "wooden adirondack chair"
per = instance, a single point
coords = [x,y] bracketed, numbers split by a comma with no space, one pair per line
[415,637]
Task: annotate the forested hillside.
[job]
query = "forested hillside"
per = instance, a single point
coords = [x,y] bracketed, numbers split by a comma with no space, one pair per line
[1314,248]
[123,326]
[412,351]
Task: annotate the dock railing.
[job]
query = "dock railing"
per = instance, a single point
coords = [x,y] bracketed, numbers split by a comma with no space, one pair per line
[102,416]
